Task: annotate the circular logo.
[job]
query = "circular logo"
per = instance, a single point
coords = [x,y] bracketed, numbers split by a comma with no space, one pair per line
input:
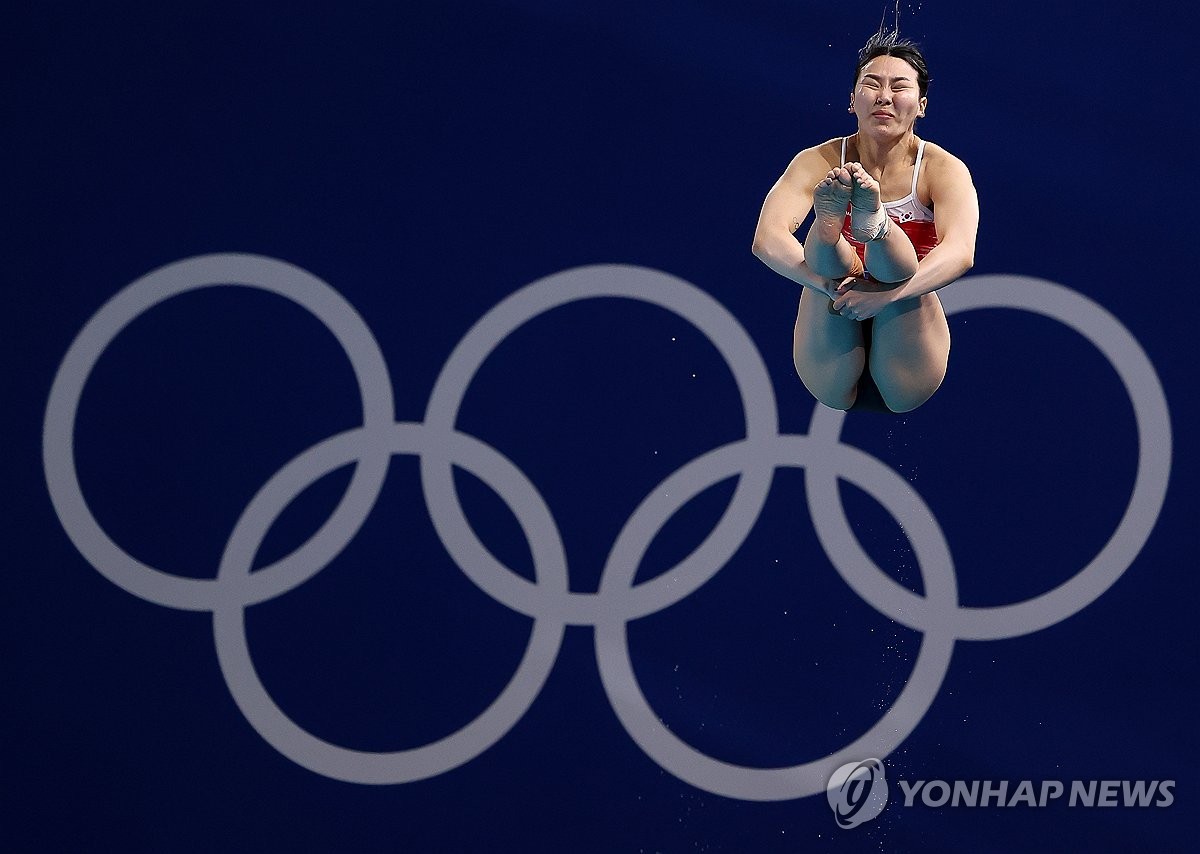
[857,792]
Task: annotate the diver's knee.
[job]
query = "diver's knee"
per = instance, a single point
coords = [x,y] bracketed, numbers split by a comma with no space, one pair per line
[907,399]
[832,391]
[902,406]
[833,395]
[842,404]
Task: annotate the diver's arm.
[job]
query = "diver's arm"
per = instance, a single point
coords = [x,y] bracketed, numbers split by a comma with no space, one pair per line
[956,217]
[785,208]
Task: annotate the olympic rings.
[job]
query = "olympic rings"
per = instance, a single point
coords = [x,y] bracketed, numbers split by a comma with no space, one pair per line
[547,600]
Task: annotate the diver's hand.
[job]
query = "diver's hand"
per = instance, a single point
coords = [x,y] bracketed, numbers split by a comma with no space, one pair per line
[862,299]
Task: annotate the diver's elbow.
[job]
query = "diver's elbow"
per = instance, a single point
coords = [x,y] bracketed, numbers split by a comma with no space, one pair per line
[760,247]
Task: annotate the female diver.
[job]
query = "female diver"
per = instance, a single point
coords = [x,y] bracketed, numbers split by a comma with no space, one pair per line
[870,331]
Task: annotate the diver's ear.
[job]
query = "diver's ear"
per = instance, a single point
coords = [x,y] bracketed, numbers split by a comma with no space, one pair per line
[924,104]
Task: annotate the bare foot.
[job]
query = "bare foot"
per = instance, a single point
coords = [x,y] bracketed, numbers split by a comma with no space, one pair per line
[830,198]
[868,220]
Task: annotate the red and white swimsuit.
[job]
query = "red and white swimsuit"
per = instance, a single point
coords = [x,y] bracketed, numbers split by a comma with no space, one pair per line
[914,218]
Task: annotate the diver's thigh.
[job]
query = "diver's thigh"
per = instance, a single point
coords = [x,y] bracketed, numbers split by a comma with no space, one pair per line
[828,351]
[910,348]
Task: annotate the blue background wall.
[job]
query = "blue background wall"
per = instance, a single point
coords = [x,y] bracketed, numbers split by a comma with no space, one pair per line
[427,162]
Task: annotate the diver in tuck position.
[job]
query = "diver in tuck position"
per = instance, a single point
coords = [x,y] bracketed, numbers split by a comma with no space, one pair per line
[870,331]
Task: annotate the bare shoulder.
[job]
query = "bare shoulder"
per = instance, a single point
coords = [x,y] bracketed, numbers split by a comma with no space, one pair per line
[791,197]
[943,167]
[812,164]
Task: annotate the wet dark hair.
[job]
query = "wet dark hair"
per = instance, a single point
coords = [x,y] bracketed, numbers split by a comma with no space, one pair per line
[890,44]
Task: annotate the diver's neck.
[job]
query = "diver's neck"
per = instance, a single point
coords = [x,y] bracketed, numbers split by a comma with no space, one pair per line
[878,154]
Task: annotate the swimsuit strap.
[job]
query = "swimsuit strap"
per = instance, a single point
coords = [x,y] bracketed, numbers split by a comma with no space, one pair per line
[844,138]
[917,167]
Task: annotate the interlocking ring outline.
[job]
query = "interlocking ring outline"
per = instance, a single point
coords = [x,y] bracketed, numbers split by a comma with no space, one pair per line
[548,600]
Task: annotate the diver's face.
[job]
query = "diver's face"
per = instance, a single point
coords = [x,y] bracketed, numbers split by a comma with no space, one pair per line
[886,98]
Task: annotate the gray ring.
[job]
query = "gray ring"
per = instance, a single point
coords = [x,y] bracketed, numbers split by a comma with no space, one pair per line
[58,443]
[402,766]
